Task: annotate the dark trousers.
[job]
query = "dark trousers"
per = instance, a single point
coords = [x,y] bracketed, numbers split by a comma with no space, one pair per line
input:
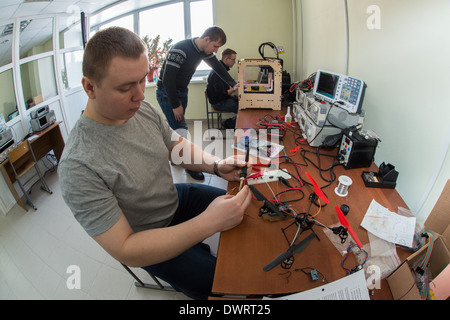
[192,272]
[166,107]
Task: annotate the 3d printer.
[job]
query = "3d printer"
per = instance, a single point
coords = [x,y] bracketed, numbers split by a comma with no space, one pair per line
[260,83]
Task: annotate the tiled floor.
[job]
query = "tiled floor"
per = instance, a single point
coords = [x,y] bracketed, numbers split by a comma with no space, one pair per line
[38,248]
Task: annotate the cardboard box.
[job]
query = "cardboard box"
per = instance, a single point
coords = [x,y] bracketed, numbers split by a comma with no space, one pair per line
[402,280]
[38,99]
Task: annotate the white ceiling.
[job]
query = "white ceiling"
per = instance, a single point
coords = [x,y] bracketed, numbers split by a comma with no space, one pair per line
[39,30]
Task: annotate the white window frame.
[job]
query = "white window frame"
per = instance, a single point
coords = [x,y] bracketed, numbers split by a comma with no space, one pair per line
[135,13]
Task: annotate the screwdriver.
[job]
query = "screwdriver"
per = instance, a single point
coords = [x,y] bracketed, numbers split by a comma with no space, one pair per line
[244,168]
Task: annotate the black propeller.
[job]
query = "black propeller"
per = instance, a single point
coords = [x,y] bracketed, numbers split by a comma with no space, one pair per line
[294,249]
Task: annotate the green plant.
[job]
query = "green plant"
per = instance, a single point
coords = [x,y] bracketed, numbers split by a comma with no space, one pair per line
[156,53]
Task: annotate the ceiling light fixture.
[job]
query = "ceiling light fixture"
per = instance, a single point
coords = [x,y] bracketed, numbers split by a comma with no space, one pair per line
[10,26]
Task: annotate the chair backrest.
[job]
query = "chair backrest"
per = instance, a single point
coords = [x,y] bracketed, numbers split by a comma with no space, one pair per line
[19,151]
[208,109]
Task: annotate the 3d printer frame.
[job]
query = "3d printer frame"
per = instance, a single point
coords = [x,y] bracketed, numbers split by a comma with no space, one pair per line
[264,92]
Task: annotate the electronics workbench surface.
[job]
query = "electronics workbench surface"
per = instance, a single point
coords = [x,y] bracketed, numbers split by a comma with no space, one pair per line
[246,249]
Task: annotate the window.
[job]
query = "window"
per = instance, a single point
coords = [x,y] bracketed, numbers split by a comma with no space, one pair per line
[71,45]
[8,105]
[71,69]
[125,22]
[36,36]
[71,37]
[176,20]
[38,81]
[201,17]
[166,21]
[6,32]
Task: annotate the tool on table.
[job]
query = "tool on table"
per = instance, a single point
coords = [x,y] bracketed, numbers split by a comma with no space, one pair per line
[244,168]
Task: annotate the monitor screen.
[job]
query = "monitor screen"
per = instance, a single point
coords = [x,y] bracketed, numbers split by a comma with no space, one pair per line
[335,87]
[43,121]
[327,84]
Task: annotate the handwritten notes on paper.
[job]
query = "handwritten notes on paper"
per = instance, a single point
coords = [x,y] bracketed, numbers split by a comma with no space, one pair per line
[388,225]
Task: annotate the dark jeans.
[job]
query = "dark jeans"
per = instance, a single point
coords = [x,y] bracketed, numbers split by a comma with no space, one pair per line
[192,272]
[230,105]
[167,109]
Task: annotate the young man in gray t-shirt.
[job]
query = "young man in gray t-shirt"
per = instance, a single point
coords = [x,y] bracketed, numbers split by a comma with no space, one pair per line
[116,179]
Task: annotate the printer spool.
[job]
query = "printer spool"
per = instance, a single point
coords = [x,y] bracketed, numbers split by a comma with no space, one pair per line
[342,188]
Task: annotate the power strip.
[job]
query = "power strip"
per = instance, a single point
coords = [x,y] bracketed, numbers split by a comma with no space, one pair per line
[269,176]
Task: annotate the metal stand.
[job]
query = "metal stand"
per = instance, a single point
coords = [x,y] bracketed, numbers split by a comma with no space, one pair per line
[140,283]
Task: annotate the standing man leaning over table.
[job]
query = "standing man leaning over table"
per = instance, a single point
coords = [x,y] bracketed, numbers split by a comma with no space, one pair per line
[116,179]
[178,68]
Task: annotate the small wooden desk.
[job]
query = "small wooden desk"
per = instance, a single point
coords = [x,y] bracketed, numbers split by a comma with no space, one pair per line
[47,140]
[247,248]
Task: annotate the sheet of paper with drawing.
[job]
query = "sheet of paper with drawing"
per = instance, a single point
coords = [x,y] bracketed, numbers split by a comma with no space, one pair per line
[259,147]
[388,225]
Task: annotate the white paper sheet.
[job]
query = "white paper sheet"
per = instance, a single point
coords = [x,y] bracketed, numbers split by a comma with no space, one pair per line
[259,147]
[351,287]
[388,225]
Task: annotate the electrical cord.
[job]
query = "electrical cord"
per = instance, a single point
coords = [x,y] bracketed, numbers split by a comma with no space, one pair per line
[357,267]
[423,268]
[330,142]
[270,44]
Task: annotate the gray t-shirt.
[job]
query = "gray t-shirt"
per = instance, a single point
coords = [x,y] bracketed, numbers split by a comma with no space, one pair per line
[109,170]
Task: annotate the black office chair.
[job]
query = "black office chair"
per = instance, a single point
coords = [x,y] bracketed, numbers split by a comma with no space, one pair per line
[22,160]
[139,283]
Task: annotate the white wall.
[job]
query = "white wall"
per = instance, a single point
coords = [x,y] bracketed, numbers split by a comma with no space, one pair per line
[324,46]
[405,64]
[250,23]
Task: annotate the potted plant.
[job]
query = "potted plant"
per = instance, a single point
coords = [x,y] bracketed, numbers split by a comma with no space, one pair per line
[156,54]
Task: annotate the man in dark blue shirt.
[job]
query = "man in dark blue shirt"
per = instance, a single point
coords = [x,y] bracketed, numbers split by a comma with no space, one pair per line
[178,68]
[220,93]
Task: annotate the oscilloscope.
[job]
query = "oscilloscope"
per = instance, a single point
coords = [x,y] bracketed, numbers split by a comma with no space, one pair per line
[338,88]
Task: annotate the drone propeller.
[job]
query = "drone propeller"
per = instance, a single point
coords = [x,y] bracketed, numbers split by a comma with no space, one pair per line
[294,249]
[346,224]
[269,204]
[317,190]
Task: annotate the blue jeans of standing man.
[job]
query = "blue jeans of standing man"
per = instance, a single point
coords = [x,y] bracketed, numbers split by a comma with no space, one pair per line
[167,108]
[192,272]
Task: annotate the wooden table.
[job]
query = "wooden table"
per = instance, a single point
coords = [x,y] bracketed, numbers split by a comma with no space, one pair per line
[247,248]
[47,140]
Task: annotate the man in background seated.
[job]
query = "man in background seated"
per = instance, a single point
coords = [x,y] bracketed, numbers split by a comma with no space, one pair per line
[220,94]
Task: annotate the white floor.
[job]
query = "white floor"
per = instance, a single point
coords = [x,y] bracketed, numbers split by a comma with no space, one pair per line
[38,248]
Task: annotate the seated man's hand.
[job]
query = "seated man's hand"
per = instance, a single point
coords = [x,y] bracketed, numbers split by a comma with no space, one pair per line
[230,168]
[227,211]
